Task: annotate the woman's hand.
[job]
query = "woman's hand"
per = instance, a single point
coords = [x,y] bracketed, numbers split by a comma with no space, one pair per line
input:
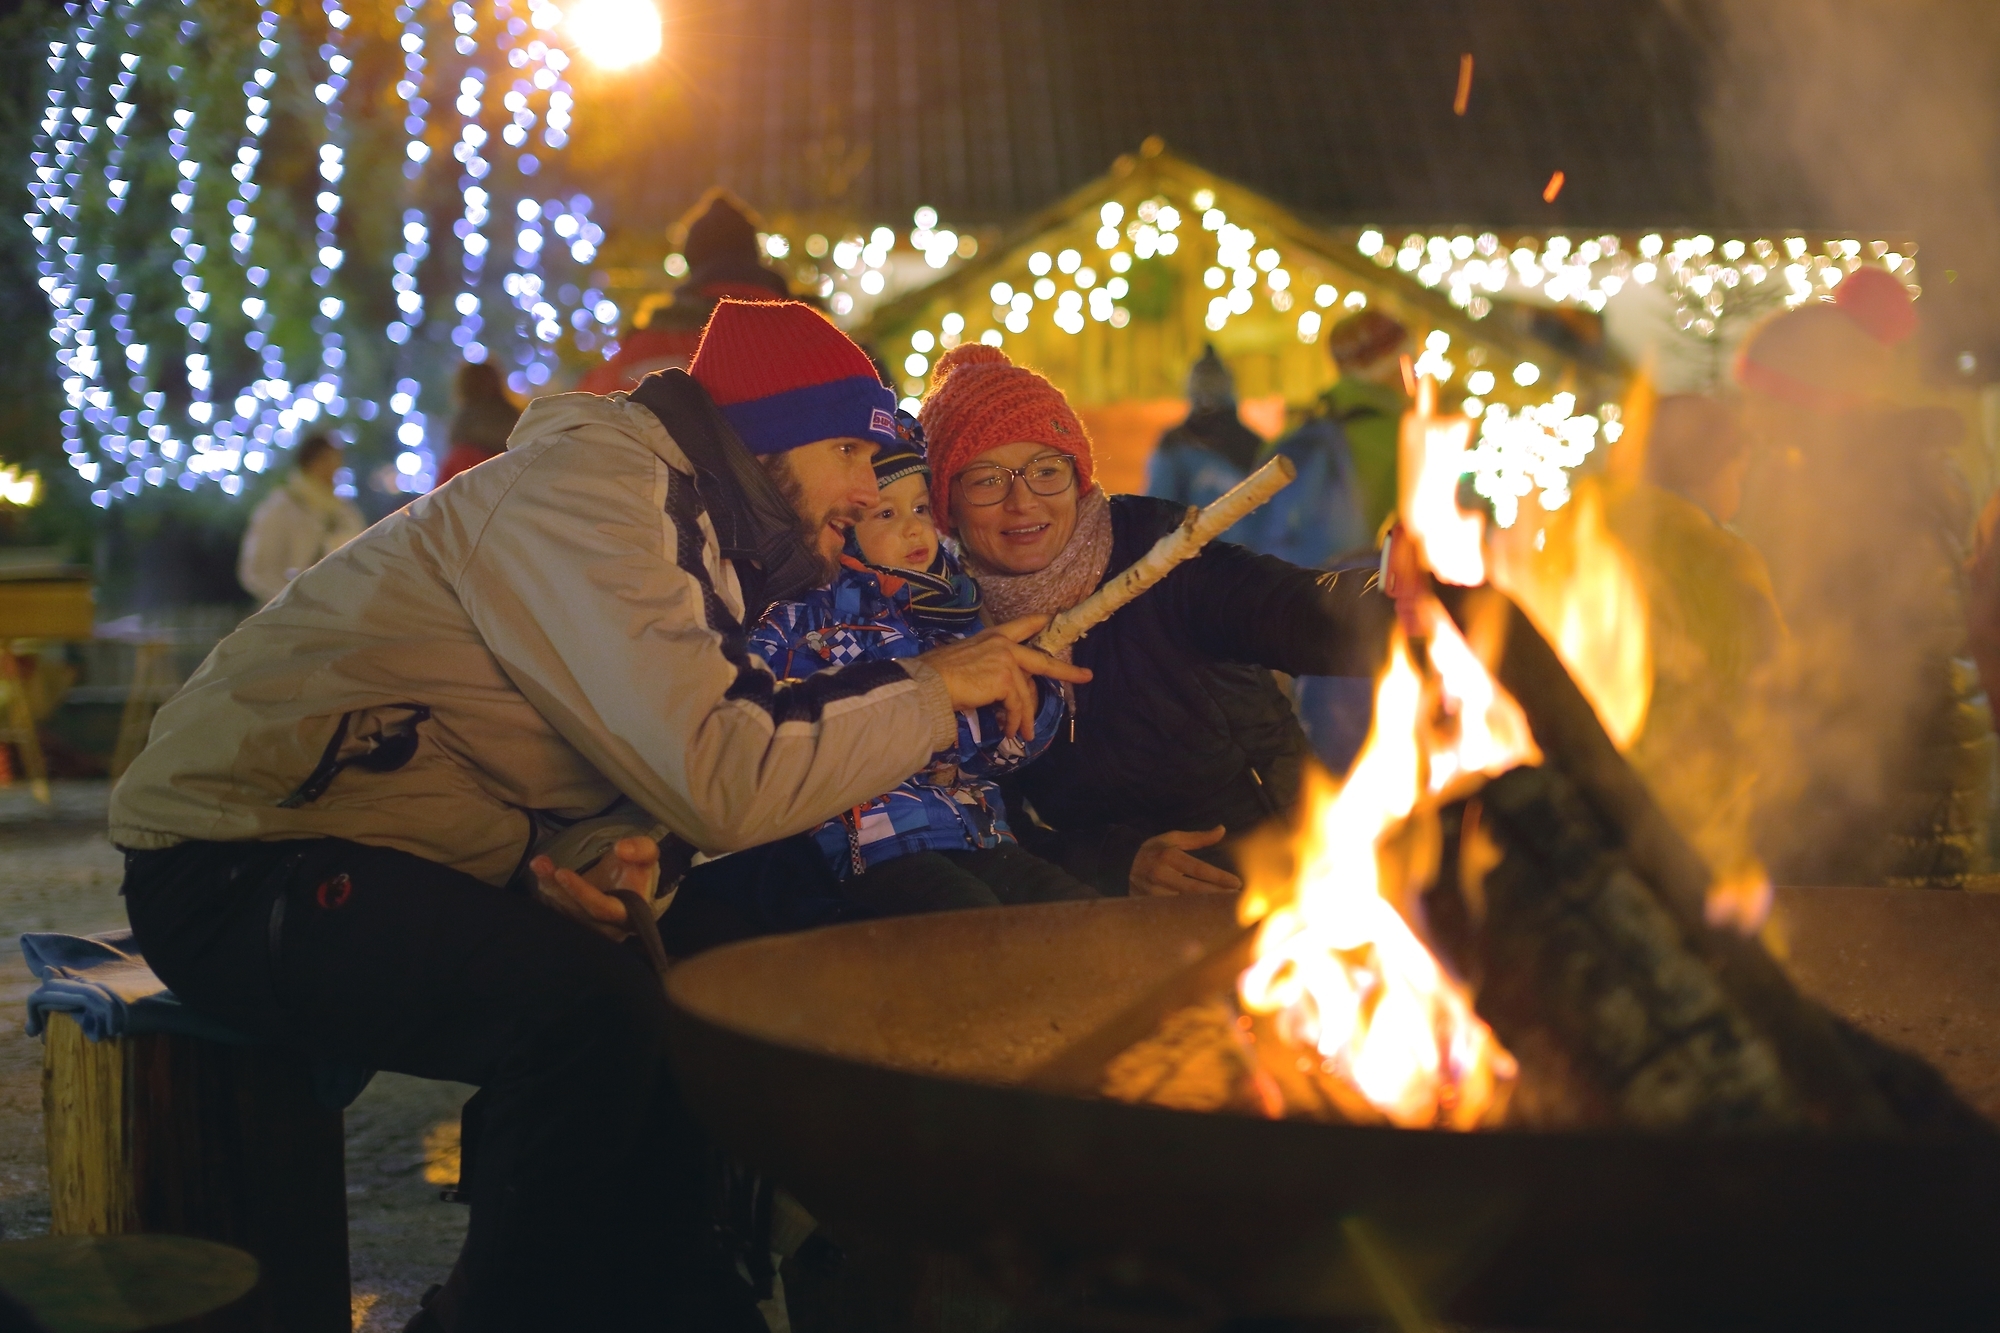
[1163,867]
[633,864]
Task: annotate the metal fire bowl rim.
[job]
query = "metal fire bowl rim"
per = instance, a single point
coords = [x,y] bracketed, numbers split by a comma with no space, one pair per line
[686,982]
[1505,1228]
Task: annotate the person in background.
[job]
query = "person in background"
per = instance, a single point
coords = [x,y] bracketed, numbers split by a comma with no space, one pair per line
[723,260]
[1718,639]
[1982,598]
[1858,505]
[1346,450]
[1211,451]
[1345,453]
[298,524]
[482,417]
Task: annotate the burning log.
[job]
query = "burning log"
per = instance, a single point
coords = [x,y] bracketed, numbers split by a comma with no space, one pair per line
[1586,977]
[1078,1069]
[1213,1056]
[1189,1044]
[1833,1087]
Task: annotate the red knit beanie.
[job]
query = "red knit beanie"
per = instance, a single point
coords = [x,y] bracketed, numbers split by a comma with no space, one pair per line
[1831,356]
[784,376]
[980,400]
[1878,301]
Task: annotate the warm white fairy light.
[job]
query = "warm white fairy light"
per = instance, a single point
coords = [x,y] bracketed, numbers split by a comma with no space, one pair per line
[1703,276]
[1532,452]
[939,245]
[859,271]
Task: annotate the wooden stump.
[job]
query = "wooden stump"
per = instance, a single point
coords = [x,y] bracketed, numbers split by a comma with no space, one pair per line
[168,1134]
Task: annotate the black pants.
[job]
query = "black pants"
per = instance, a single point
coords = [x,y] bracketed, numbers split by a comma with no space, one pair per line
[588,1202]
[946,881]
[786,886]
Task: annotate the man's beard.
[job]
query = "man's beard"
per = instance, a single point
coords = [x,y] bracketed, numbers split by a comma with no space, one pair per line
[779,469]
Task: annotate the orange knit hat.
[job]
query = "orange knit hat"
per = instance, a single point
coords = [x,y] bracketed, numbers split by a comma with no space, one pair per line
[980,400]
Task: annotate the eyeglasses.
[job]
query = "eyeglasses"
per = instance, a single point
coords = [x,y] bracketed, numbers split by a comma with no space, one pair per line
[989,483]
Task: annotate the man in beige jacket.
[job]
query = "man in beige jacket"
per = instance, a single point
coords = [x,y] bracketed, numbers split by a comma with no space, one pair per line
[323,828]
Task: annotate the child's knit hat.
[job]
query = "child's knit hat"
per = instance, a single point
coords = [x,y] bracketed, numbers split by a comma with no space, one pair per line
[980,400]
[893,462]
[784,376]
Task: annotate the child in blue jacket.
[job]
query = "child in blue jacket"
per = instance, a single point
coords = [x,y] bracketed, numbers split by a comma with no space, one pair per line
[940,840]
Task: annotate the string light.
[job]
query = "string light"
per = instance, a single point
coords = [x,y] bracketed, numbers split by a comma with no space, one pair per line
[65,129]
[472,240]
[1533,451]
[191,313]
[1704,278]
[416,466]
[304,405]
[17,488]
[120,431]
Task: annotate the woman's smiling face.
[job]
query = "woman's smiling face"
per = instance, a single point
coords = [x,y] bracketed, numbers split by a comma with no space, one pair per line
[1025,532]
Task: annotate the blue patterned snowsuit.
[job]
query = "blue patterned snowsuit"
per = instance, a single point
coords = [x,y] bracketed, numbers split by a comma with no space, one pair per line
[952,806]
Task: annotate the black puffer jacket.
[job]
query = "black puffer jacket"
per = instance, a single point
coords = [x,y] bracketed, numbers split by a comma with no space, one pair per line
[1182,726]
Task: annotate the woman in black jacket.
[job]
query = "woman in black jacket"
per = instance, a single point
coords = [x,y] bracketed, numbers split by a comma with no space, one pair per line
[1182,738]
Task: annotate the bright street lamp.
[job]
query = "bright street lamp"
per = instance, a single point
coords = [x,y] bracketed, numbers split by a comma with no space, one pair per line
[615,34]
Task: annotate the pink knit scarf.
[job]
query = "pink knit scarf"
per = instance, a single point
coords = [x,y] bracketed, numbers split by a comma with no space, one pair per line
[1072,576]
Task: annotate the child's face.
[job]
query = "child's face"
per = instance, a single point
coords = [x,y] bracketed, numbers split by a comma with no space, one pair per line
[897,530]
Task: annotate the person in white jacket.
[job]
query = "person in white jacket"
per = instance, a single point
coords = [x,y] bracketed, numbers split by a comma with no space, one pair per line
[322,832]
[298,524]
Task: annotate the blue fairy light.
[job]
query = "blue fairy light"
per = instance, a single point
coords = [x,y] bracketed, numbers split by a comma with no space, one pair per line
[125,422]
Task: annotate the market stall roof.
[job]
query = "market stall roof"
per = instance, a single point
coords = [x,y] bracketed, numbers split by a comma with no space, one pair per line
[1114,290]
[1302,280]
[1344,112]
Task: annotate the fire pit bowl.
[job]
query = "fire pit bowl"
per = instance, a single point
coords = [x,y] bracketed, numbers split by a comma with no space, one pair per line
[867,1069]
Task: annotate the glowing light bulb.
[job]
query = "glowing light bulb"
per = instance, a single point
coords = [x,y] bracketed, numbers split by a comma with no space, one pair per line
[616,34]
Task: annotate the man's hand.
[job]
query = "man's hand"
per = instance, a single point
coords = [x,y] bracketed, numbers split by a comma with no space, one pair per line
[995,668]
[1163,867]
[633,864]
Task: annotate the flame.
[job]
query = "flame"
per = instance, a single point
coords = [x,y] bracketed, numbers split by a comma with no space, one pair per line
[1740,900]
[1339,969]
[1432,458]
[1576,582]
[1337,963]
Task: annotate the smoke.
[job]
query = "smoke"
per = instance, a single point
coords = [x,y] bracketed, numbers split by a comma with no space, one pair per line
[1870,114]
[1868,752]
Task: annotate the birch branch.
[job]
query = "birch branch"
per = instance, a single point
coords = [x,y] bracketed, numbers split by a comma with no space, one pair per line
[1184,543]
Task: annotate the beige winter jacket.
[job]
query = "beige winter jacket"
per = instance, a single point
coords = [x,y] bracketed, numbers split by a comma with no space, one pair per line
[510,654]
